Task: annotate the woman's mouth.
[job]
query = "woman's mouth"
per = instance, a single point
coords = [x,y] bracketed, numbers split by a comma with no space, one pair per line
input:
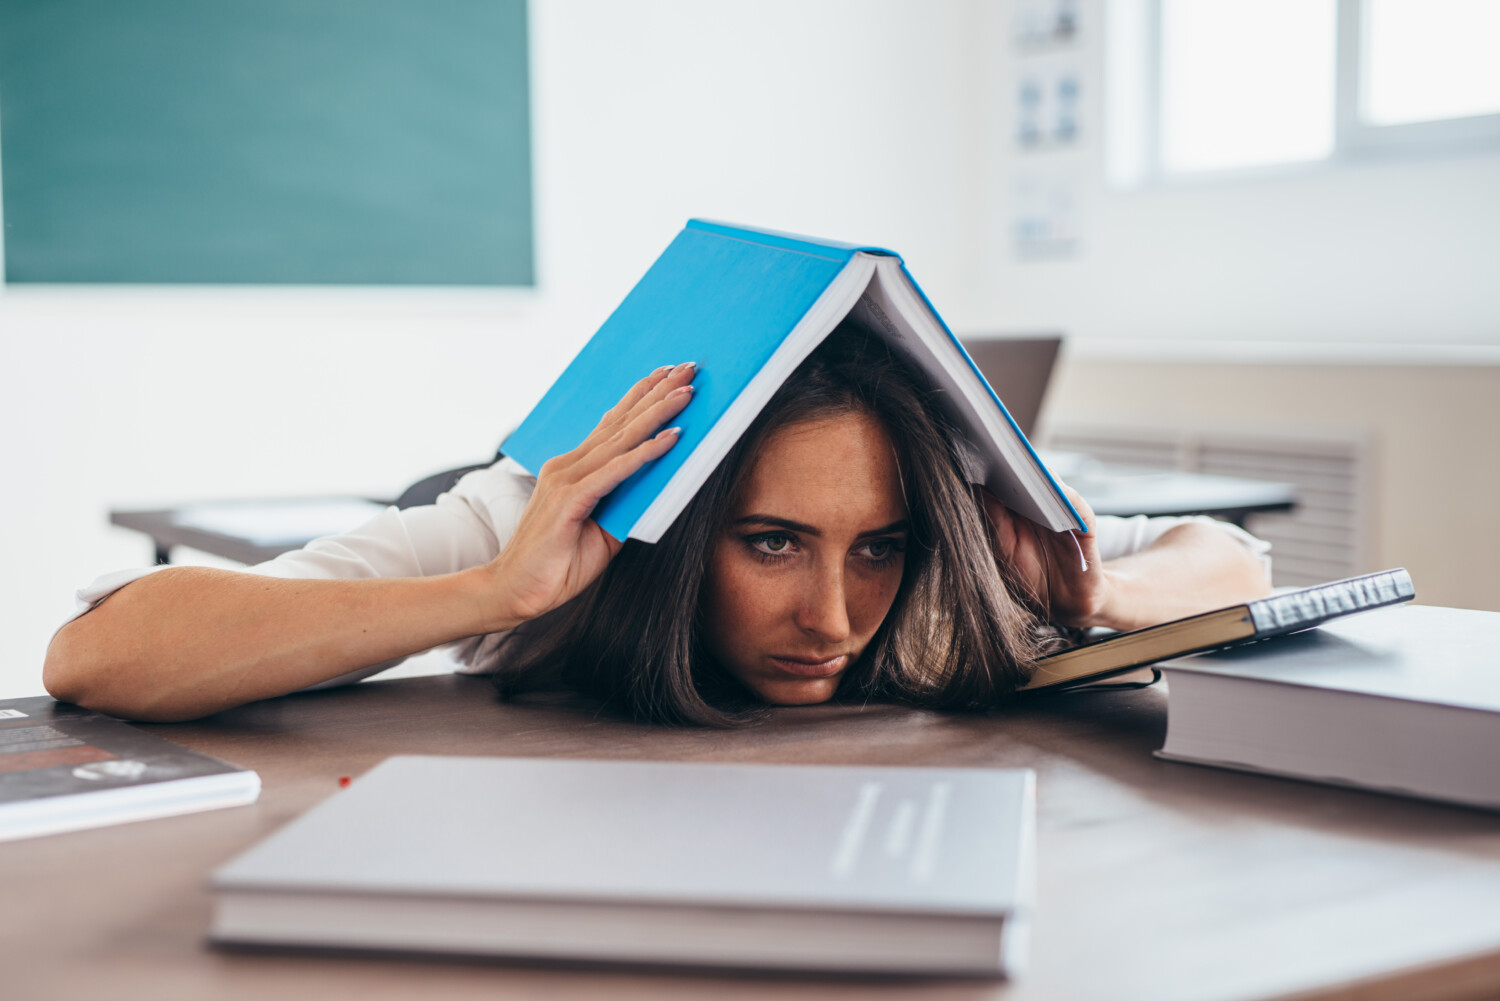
[811,667]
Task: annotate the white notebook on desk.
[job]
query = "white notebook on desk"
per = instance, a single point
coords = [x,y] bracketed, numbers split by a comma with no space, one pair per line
[900,870]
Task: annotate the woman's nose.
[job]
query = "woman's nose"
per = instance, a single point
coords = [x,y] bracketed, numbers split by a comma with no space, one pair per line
[825,609]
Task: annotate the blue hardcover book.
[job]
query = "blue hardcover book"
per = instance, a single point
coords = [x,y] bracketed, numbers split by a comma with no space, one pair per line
[748,306]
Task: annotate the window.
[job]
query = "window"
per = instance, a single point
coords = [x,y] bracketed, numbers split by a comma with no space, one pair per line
[1211,85]
[1240,89]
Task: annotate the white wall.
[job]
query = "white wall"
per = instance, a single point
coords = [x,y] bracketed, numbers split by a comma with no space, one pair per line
[849,119]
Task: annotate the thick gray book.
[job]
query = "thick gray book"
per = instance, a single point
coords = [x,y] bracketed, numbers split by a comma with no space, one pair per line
[1402,700]
[901,870]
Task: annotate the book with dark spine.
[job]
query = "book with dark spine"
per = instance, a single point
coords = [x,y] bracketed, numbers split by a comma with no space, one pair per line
[65,768]
[1235,625]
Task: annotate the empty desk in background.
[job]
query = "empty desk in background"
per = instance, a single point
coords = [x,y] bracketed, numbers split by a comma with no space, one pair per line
[253,531]
[250,532]
[247,532]
[1125,490]
[1019,368]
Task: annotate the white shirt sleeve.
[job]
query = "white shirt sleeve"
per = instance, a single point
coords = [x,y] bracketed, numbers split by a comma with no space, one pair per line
[1119,537]
[466,527]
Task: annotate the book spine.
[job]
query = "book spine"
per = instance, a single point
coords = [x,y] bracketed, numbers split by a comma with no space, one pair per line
[1284,613]
[832,249]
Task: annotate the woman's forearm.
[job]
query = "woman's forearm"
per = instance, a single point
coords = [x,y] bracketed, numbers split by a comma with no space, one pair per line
[191,641]
[1192,568]
[187,642]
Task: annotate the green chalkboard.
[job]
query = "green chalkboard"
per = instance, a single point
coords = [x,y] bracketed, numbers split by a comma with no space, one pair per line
[266,141]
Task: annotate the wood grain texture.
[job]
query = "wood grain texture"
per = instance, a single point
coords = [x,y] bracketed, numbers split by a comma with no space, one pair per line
[1157,880]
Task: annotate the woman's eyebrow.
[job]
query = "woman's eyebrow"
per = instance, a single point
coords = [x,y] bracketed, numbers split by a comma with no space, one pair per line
[797,526]
[891,529]
[772,520]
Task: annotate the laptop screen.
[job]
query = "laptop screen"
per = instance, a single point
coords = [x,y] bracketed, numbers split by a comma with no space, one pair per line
[1018,368]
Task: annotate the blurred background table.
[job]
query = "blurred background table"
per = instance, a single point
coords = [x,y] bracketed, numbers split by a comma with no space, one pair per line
[251,531]
[1111,488]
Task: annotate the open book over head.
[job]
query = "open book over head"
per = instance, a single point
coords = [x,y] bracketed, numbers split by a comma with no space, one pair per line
[748,306]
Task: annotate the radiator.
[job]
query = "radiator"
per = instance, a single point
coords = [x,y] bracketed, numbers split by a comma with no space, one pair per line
[1328,536]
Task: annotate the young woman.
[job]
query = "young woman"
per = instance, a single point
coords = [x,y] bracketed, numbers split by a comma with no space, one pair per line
[837,551]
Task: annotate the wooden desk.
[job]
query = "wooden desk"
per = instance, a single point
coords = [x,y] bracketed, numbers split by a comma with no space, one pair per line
[1157,880]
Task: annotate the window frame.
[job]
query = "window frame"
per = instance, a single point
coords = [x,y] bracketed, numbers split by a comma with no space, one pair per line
[1354,137]
[1134,121]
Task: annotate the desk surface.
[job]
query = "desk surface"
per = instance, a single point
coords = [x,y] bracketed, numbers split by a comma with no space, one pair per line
[1157,880]
[1126,491]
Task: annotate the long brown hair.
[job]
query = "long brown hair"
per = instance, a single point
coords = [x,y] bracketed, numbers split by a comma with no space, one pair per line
[957,636]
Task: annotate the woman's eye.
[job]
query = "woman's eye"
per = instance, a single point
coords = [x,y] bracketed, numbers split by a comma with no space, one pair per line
[775,545]
[881,550]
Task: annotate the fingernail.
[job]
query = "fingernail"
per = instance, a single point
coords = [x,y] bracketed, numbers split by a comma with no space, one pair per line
[687,366]
[664,368]
[680,390]
[669,431]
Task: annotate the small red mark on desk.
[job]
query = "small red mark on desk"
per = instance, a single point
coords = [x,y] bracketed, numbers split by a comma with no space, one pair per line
[343,782]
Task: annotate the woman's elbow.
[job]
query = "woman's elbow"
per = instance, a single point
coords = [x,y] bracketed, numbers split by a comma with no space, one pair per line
[79,668]
[1248,570]
[69,672]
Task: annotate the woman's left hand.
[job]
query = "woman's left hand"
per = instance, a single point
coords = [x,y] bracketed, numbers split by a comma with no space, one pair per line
[1064,589]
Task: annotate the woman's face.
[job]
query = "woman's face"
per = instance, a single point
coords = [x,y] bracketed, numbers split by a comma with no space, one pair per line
[809,561]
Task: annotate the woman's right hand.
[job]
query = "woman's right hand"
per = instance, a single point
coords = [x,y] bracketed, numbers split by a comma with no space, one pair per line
[558,549]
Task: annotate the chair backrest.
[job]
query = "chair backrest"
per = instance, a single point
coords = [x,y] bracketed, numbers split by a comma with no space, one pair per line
[426,490]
